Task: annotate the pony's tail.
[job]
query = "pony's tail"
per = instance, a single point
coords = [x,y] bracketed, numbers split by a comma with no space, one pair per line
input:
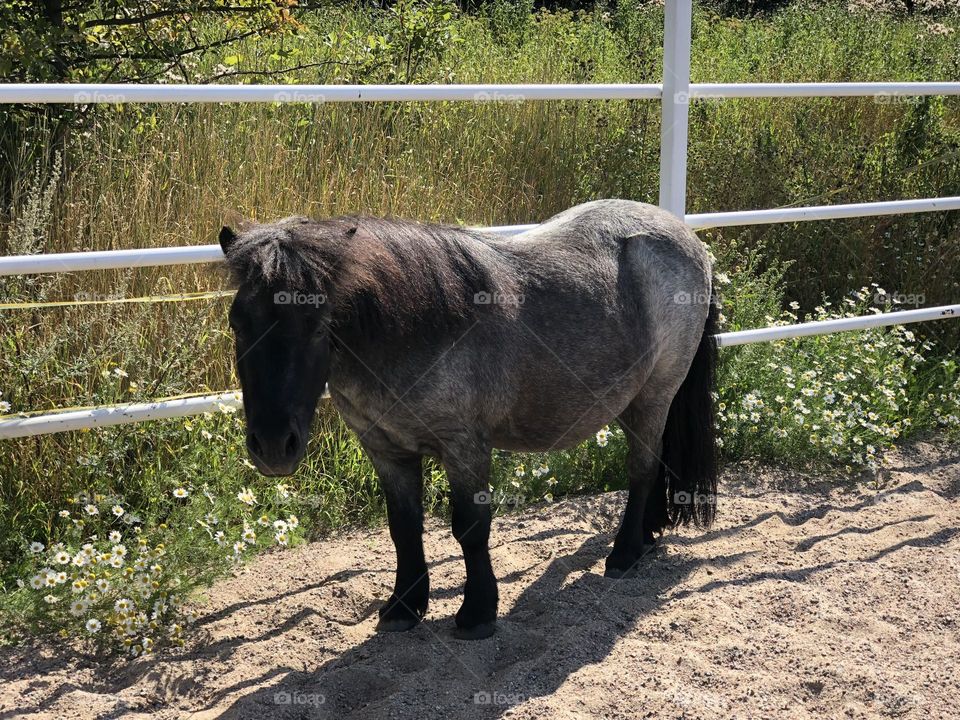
[689,453]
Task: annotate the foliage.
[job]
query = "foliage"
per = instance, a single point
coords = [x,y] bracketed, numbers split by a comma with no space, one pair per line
[125,41]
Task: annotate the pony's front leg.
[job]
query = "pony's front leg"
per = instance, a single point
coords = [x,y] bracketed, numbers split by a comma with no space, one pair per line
[468,471]
[402,483]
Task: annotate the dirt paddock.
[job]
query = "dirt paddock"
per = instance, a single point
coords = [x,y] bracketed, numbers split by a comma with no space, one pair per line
[809,599]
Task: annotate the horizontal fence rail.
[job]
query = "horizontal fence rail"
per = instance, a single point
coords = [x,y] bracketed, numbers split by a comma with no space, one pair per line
[113,94]
[191,254]
[879,90]
[93,93]
[112,415]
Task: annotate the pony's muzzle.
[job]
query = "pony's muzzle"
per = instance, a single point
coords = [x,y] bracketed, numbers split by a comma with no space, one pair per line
[275,453]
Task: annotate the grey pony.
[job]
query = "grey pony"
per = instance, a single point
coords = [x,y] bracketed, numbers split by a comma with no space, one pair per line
[449,342]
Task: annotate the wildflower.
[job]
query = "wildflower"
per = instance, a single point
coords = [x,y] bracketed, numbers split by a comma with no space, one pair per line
[123,605]
[91,510]
[36,548]
[93,625]
[180,492]
[143,582]
[249,536]
[115,536]
[293,521]
[238,547]
[603,437]
[282,538]
[38,581]
[117,511]
[64,513]
[247,497]
[79,607]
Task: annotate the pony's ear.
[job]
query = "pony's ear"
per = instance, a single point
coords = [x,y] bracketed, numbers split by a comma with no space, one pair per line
[233,224]
[227,238]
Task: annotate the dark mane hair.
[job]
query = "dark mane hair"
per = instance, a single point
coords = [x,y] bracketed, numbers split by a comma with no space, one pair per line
[375,272]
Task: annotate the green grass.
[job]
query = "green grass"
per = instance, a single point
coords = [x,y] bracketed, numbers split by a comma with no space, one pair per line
[158,175]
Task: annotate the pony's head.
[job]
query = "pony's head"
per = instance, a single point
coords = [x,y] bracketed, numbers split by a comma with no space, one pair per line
[280,318]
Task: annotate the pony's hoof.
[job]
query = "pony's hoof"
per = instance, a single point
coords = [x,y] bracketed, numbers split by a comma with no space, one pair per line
[397,624]
[477,632]
[618,573]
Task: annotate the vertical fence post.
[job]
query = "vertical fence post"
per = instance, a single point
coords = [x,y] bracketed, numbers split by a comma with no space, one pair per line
[678,18]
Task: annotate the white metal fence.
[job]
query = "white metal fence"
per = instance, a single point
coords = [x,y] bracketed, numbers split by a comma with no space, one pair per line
[675,93]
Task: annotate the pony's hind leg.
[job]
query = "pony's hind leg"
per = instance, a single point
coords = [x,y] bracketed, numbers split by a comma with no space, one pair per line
[643,424]
[468,472]
[402,483]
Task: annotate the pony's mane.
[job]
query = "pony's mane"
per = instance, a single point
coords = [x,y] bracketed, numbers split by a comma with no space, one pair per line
[377,273]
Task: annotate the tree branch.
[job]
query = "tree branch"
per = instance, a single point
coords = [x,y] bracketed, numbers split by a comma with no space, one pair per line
[170,56]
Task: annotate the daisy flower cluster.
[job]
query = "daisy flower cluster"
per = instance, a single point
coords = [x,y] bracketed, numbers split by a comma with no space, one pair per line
[119,582]
[841,399]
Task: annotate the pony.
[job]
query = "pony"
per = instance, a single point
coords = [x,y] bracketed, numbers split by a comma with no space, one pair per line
[450,342]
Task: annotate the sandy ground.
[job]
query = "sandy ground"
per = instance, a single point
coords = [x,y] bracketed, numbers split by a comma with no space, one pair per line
[809,599]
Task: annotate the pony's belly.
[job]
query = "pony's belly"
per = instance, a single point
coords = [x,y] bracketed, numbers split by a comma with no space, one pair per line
[544,432]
